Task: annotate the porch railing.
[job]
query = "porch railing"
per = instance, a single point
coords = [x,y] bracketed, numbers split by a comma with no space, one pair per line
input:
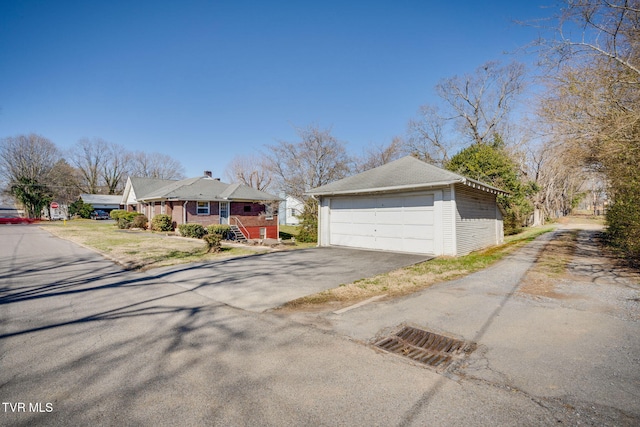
[241,226]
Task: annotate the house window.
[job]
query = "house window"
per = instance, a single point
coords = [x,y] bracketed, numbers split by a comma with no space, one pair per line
[203,208]
[268,211]
[163,209]
[247,208]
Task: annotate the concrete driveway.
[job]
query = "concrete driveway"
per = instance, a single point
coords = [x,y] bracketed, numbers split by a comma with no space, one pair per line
[261,282]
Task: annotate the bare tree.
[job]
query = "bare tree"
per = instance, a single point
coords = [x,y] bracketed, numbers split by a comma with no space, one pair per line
[481,102]
[593,98]
[64,182]
[476,107]
[425,139]
[156,165]
[90,157]
[318,158]
[378,155]
[251,170]
[26,162]
[558,181]
[587,29]
[31,156]
[115,168]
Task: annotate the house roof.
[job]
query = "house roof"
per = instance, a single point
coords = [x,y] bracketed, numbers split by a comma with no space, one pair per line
[145,186]
[407,173]
[202,188]
[101,199]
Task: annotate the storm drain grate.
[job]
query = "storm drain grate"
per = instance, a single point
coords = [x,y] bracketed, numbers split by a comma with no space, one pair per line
[425,347]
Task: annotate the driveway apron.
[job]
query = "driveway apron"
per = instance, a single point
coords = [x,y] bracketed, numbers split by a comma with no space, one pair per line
[261,282]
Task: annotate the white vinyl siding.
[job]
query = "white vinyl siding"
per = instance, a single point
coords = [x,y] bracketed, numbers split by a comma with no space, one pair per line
[476,219]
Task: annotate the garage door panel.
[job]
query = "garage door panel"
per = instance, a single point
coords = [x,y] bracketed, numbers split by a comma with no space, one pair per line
[340,216]
[389,230]
[355,229]
[341,228]
[354,204]
[354,241]
[420,246]
[362,217]
[389,201]
[424,232]
[404,217]
[387,217]
[420,203]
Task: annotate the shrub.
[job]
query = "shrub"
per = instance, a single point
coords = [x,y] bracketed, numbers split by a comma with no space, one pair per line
[139,221]
[80,208]
[126,220]
[118,214]
[213,242]
[222,230]
[623,219]
[161,222]
[309,223]
[192,230]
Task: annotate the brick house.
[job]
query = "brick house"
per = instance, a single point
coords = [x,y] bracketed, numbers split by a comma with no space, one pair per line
[206,201]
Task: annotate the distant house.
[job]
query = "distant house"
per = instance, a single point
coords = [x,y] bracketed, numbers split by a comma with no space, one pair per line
[206,201]
[289,210]
[9,211]
[409,206]
[103,202]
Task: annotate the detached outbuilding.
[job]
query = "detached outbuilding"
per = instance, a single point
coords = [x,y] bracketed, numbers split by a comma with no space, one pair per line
[104,202]
[409,206]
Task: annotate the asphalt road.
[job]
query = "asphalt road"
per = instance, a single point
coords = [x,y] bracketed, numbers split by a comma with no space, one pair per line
[83,342]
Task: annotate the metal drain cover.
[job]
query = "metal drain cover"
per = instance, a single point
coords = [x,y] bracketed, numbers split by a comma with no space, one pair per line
[425,347]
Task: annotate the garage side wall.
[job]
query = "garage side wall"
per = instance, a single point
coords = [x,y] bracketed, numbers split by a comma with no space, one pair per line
[477,219]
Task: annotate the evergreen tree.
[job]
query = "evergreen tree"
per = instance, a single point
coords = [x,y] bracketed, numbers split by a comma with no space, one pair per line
[492,164]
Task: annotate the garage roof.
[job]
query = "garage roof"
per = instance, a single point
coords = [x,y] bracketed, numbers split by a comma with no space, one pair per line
[407,173]
[101,199]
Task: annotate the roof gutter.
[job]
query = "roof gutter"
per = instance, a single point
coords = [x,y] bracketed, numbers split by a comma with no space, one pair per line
[465,181]
[385,189]
[184,212]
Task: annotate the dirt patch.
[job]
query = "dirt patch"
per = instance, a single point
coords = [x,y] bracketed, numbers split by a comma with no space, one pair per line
[572,259]
[551,266]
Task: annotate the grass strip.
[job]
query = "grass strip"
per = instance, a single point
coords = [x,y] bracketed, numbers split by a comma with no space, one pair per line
[138,250]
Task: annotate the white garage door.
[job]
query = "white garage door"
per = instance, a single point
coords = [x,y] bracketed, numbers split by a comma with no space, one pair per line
[402,224]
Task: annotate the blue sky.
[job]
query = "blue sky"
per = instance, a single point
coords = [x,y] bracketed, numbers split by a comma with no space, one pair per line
[204,81]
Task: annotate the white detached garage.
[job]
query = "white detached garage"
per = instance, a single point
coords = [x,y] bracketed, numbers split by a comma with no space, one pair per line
[409,206]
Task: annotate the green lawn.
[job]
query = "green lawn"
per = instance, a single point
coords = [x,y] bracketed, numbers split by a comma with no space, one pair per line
[139,249]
